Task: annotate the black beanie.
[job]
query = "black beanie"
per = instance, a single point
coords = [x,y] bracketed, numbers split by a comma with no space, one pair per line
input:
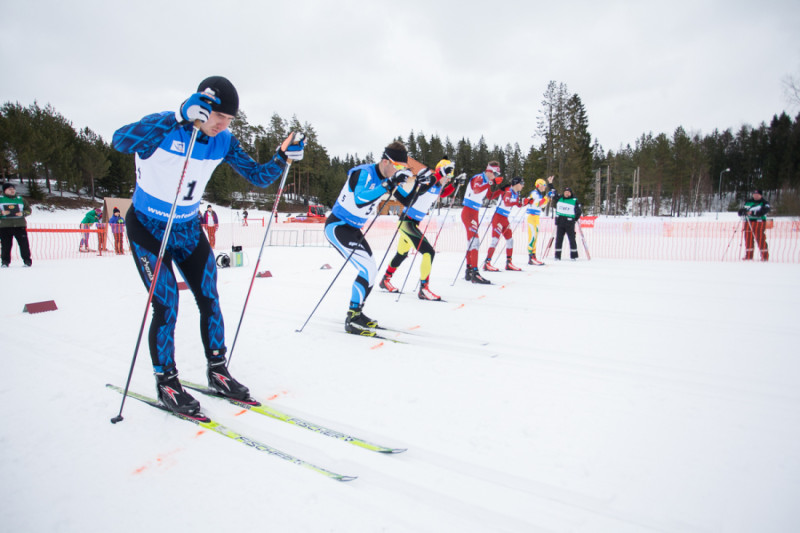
[225,91]
[8,185]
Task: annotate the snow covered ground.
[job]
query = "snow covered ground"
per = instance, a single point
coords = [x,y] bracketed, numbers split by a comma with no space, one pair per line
[589,396]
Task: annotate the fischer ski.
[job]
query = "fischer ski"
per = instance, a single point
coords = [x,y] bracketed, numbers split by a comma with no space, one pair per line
[373,334]
[207,423]
[271,412]
[458,344]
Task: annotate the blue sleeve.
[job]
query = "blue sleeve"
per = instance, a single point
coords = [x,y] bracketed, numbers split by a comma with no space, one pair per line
[362,194]
[145,136]
[259,175]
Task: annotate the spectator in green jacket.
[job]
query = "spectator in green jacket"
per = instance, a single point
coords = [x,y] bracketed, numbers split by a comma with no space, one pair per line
[13,210]
[92,217]
[754,215]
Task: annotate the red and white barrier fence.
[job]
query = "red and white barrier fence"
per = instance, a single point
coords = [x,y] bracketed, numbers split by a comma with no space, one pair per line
[607,238]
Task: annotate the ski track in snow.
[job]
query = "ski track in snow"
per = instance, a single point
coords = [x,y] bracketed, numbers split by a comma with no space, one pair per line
[590,396]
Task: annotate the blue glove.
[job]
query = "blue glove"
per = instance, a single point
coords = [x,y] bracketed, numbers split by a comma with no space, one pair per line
[551,193]
[198,107]
[398,178]
[294,151]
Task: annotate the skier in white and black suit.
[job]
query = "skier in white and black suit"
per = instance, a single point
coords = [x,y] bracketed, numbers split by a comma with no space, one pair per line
[568,211]
[160,142]
[365,186]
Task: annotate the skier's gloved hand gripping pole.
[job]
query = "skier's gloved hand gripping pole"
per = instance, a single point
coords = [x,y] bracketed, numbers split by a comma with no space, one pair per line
[459,181]
[292,147]
[196,109]
[392,183]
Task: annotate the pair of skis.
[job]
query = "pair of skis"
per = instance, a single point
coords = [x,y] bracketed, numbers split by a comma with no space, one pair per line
[212,425]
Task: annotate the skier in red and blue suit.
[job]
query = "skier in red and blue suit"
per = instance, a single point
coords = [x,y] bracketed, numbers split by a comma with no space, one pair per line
[478,189]
[500,224]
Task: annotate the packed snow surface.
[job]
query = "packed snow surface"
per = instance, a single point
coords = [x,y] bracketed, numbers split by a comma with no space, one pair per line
[588,396]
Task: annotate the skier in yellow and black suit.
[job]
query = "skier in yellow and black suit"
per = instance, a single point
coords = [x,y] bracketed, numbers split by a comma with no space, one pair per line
[428,188]
[536,201]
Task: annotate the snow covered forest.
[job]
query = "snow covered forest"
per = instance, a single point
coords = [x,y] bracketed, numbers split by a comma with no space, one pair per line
[666,173]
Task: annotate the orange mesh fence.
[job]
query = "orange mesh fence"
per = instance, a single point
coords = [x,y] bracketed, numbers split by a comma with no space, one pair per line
[606,238]
[66,241]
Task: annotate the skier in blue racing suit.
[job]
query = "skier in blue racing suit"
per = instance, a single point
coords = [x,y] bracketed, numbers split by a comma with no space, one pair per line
[365,186]
[160,142]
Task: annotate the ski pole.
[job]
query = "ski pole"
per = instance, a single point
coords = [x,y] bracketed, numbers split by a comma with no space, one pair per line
[752,237]
[347,260]
[516,225]
[416,252]
[550,240]
[157,268]
[549,244]
[402,219]
[413,260]
[446,213]
[272,215]
[583,240]
[479,244]
[735,231]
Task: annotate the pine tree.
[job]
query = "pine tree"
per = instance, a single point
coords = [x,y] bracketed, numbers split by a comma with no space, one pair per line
[92,158]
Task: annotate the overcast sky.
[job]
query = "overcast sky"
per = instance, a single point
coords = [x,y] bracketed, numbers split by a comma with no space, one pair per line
[364,71]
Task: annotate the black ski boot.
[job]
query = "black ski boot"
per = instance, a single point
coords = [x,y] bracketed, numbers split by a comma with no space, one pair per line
[171,394]
[477,278]
[221,381]
[468,274]
[358,323]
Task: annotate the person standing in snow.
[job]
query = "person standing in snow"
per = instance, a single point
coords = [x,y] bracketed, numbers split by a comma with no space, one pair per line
[429,187]
[536,201]
[478,189]
[160,141]
[365,186]
[102,234]
[210,222]
[92,217]
[754,214]
[568,212]
[13,210]
[117,224]
[500,228]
